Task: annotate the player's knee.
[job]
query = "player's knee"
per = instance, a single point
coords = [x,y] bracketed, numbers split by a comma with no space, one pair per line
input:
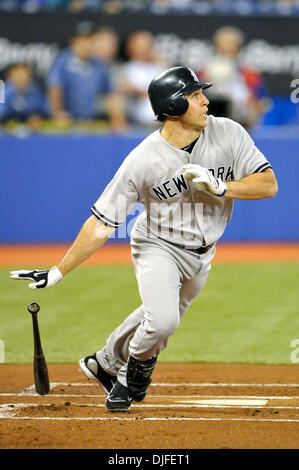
[164,325]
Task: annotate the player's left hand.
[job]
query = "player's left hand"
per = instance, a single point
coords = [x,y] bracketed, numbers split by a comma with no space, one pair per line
[42,278]
[204,179]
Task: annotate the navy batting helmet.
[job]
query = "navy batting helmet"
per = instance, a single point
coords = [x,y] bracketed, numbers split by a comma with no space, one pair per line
[166,90]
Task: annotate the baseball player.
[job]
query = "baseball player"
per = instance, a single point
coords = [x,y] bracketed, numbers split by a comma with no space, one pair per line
[187,175]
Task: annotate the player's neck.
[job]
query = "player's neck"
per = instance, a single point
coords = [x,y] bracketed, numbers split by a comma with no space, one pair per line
[177,135]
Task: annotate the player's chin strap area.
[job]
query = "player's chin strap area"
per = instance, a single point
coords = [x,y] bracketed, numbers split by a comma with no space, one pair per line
[138,376]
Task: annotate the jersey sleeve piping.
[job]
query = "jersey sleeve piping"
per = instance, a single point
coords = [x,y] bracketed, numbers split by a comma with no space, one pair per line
[263,167]
[104,219]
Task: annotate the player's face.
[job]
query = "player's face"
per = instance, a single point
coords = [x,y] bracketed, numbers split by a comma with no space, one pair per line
[196,114]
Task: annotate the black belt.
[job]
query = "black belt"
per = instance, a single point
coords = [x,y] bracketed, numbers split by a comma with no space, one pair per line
[200,251]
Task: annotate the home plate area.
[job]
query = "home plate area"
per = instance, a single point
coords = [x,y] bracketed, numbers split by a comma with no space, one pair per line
[84,401]
[188,406]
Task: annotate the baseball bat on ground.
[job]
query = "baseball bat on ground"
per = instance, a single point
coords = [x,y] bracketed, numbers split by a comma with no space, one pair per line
[41,377]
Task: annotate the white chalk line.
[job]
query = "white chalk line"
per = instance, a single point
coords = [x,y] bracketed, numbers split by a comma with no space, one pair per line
[211,384]
[9,410]
[206,384]
[67,395]
[29,391]
[61,384]
[12,406]
[116,418]
[54,395]
[185,384]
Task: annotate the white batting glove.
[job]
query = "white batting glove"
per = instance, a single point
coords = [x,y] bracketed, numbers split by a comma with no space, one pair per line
[204,179]
[42,278]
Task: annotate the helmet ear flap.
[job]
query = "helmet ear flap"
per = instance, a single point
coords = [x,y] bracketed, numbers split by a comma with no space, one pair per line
[178,106]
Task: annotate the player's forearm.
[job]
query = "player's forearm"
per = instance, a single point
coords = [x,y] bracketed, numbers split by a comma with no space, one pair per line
[91,237]
[256,186]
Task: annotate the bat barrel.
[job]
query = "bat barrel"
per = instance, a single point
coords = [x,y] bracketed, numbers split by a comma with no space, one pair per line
[41,377]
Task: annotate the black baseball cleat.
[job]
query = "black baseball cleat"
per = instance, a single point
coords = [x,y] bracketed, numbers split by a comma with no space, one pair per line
[93,370]
[118,399]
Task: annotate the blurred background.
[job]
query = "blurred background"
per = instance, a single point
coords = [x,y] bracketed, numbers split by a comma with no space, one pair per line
[74,100]
[73,103]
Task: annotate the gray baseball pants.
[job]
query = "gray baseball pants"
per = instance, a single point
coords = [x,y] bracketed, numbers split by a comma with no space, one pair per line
[168,278]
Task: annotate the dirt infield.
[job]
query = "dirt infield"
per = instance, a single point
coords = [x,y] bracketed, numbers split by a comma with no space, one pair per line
[23,255]
[188,406]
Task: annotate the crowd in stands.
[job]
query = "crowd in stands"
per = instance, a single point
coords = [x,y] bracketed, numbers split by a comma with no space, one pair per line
[237,91]
[201,7]
[87,82]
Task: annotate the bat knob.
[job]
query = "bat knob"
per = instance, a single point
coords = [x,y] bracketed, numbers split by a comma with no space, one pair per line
[33,307]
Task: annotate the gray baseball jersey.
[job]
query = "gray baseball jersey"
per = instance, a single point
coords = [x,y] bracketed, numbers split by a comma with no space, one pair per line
[174,208]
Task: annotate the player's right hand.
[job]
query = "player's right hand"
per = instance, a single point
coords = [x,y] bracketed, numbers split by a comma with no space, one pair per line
[42,278]
[204,179]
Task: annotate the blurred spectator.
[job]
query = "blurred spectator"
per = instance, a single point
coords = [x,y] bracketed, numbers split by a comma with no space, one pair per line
[180,4]
[32,6]
[112,7]
[143,64]
[129,5]
[105,47]
[287,7]
[85,5]
[160,6]
[9,5]
[77,79]
[24,101]
[237,90]
[239,7]
[58,4]
[75,6]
